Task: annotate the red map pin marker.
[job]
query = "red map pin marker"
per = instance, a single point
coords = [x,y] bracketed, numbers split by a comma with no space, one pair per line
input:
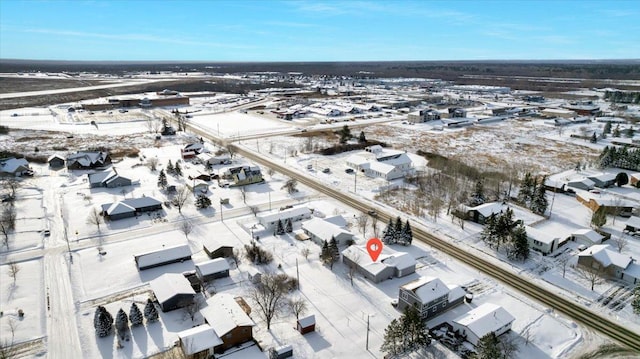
[374,247]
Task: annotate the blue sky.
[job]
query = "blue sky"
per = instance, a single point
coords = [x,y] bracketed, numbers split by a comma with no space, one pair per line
[319,30]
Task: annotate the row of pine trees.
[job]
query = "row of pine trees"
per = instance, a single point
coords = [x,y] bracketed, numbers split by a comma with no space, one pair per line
[103,320]
[620,157]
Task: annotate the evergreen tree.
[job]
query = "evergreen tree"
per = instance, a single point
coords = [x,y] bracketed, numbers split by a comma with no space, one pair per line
[345,134]
[389,233]
[407,234]
[288,226]
[526,189]
[178,170]
[135,315]
[599,218]
[122,322]
[488,234]
[334,252]
[520,243]
[170,168]
[162,180]
[635,301]
[488,347]
[203,202]
[325,254]
[397,231]
[607,128]
[622,179]
[279,228]
[593,138]
[616,131]
[102,321]
[150,312]
[539,202]
[630,132]
[392,343]
[477,197]
[362,138]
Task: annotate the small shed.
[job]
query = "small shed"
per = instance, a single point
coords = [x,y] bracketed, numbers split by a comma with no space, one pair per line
[282,352]
[56,161]
[254,275]
[587,236]
[212,269]
[307,324]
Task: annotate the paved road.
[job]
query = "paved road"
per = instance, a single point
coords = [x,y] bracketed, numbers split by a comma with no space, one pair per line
[76,89]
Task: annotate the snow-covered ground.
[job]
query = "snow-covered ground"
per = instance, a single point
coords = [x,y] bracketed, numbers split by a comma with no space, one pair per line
[342,309]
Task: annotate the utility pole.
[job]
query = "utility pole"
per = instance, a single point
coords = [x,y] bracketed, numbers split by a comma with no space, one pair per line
[298,274]
[367,332]
[221,219]
[269,200]
[355,181]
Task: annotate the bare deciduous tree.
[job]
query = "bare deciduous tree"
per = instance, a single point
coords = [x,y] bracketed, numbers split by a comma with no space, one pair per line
[186,227]
[152,163]
[363,222]
[95,218]
[269,296]
[374,225]
[254,210]
[14,268]
[12,185]
[298,306]
[621,242]
[305,252]
[591,274]
[291,186]
[353,267]
[180,198]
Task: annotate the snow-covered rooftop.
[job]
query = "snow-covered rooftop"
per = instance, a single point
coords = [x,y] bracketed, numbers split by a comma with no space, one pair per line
[224,314]
[485,319]
[168,285]
[604,254]
[322,228]
[427,288]
[307,321]
[162,255]
[198,338]
[212,266]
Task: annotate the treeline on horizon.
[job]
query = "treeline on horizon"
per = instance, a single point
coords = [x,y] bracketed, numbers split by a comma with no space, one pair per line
[446,70]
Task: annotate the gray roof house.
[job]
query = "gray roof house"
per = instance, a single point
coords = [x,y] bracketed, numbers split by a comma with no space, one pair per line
[390,263]
[173,291]
[482,320]
[430,296]
[198,342]
[162,256]
[270,219]
[87,160]
[130,207]
[229,321]
[603,180]
[14,167]
[320,230]
[109,179]
[212,269]
[609,263]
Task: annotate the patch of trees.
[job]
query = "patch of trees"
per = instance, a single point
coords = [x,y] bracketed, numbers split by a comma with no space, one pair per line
[396,232]
[330,254]
[283,227]
[257,254]
[202,202]
[345,147]
[502,229]
[490,347]
[622,96]
[407,333]
[622,157]
[533,194]
[4,130]
[103,321]
[8,216]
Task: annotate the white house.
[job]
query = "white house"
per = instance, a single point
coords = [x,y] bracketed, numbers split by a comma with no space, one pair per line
[481,321]
[377,162]
[270,219]
[320,230]
[390,263]
[14,167]
[165,255]
[542,241]
[212,269]
[586,236]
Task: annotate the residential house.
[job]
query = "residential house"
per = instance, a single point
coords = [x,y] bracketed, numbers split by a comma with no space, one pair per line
[542,241]
[216,248]
[165,255]
[85,160]
[484,319]
[558,112]
[228,319]
[423,116]
[430,296]
[633,224]
[209,160]
[130,207]
[481,213]
[634,178]
[456,112]
[199,186]
[319,230]
[307,324]
[244,175]
[389,264]
[603,180]
[191,150]
[173,291]
[109,179]
[610,203]
[586,236]
[212,269]
[198,342]
[56,161]
[15,167]
[603,259]
[377,162]
[270,219]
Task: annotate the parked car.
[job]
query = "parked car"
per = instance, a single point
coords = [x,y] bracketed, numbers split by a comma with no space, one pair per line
[46,233]
[326,170]
[286,207]
[349,170]
[372,212]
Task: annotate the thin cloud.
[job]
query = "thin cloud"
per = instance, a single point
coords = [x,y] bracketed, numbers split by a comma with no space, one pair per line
[134,37]
[290,24]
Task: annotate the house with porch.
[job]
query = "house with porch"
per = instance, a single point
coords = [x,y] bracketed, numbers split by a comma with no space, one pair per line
[430,296]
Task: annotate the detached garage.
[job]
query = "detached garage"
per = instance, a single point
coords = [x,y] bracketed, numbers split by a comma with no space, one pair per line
[173,291]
